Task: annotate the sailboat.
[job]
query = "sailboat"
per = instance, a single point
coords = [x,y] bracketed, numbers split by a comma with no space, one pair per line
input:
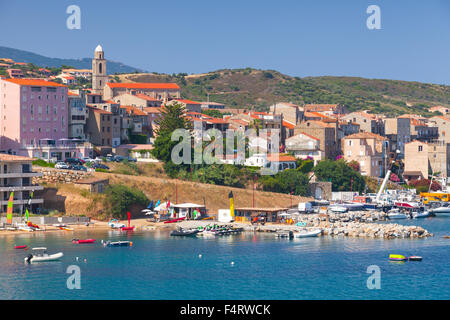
[129,228]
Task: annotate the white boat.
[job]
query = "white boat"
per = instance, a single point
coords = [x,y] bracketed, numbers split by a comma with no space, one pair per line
[41,255]
[396,214]
[207,233]
[307,234]
[354,206]
[338,209]
[423,214]
[442,211]
[115,224]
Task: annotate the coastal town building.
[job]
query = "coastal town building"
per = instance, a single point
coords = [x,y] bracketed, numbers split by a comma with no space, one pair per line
[16,175]
[212,105]
[367,122]
[443,110]
[139,100]
[34,120]
[326,109]
[443,125]
[77,115]
[15,73]
[160,91]
[189,105]
[291,112]
[369,150]
[423,159]
[304,146]
[325,132]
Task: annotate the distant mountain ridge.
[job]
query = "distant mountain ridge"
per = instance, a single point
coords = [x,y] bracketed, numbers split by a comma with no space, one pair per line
[42,61]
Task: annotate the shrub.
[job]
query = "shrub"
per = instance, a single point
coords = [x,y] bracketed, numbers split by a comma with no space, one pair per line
[119,198]
[43,163]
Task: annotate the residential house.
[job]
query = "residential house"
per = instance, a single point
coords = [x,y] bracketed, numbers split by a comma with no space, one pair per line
[443,110]
[16,175]
[77,114]
[305,146]
[369,150]
[325,132]
[326,109]
[212,105]
[15,73]
[367,122]
[159,91]
[422,159]
[138,100]
[189,105]
[291,112]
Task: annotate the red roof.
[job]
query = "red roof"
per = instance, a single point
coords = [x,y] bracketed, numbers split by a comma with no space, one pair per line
[153,109]
[35,82]
[185,101]
[146,97]
[144,85]
[133,110]
[288,125]
[276,157]
[310,136]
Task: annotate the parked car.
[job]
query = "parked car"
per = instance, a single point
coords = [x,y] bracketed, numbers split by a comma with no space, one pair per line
[62,165]
[74,161]
[79,168]
[87,160]
[118,158]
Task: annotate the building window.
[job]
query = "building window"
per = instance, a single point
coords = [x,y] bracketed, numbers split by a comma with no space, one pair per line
[420,148]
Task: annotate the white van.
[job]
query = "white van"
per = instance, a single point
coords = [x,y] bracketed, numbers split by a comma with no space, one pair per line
[305,207]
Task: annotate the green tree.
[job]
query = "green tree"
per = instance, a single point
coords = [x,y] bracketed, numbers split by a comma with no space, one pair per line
[342,176]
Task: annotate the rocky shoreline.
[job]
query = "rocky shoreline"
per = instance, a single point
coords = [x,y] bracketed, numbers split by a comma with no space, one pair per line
[351,224]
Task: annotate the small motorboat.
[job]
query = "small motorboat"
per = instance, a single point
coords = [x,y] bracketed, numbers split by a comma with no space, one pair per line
[396,214]
[207,233]
[307,234]
[175,220]
[184,233]
[285,234]
[397,257]
[20,247]
[442,211]
[81,241]
[337,209]
[423,214]
[41,255]
[415,258]
[118,244]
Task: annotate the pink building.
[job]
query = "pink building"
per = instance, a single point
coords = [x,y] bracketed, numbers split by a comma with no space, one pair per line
[33,116]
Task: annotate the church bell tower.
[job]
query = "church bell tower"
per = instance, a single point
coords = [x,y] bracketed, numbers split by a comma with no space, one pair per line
[99,77]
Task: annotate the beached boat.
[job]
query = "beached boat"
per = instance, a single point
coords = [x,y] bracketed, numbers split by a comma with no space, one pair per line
[115,224]
[307,234]
[127,228]
[184,233]
[41,255]
[20,247]
[175,220]
[82,241]
[118,244]
[65,228]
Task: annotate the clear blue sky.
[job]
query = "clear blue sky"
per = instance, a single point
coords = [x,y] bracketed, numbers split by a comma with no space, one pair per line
[296,37]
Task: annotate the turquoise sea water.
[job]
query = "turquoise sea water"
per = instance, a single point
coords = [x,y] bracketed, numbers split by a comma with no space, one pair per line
[162,267]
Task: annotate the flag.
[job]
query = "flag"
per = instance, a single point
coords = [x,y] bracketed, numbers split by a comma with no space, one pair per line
[9,212]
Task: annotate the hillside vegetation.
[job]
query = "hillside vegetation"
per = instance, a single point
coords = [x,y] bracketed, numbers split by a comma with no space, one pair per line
[251,88]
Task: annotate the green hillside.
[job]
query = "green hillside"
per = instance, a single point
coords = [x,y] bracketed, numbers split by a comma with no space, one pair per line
[250,88]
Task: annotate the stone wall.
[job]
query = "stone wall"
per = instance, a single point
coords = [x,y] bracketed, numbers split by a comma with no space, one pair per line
[50,175]
[320,190]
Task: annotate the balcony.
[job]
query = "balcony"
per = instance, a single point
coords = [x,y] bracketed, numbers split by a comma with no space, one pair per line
[23,201]
[10,188]
[25,174]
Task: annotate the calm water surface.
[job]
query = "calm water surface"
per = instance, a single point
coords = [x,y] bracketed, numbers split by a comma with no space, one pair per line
[162,267]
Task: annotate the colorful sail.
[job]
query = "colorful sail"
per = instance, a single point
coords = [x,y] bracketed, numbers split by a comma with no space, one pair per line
[27,214]
[231,197]
[150,206]
[9,212]
[129,218]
